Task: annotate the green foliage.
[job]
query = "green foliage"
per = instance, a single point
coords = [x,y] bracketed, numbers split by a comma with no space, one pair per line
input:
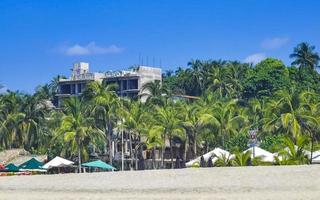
[272,143]
[238,142]
[267,77]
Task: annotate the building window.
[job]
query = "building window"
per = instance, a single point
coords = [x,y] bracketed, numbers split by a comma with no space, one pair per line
[133,84]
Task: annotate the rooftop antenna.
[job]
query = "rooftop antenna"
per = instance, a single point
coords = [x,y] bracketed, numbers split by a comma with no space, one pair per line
[160,63]
[153,60]
[139,62]
[147,61]
[142,61]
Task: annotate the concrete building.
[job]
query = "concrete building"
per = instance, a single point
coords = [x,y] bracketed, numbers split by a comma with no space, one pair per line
[129,82]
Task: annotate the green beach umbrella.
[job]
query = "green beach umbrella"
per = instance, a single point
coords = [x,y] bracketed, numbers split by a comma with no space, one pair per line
[98,164]
[12,167]
[32,165]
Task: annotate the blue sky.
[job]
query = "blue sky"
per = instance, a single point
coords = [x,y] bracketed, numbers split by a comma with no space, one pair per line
[40,39]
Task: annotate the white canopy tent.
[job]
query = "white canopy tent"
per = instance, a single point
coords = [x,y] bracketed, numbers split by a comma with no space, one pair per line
[266,156]
[316,157]
[58,162]
[217,152]
[305,152]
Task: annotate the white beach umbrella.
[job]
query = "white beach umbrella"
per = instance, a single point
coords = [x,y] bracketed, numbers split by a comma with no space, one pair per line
[266,156]
[217,152]
[57,162]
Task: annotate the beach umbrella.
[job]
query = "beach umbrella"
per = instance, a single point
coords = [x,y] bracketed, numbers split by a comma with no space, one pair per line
[265,156]
[12,167]
[32,165]
[98,164]
[58,162]
[216,153]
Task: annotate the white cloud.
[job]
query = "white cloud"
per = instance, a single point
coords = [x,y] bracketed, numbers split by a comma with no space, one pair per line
[90,49]
[255,58]
[273,43]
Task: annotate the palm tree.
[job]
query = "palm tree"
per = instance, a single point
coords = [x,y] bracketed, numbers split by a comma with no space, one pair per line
[77,127]
[293,152]
[168,122]
[304,56]
[242,159]
[196,120]
[197,75]
[106,102]
[228,119]
[154,92]
[133,114]
[282,114]
[12,120]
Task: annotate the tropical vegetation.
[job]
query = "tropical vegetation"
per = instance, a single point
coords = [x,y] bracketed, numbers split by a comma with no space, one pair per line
[228,98]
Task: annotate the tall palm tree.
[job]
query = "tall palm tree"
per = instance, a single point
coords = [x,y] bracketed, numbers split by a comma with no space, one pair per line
[133,114]
[77,127]
[229,120]
[106,102]
[305,56]
[12,120]
[282,114]
[195,121]
[197,75]
[169,124]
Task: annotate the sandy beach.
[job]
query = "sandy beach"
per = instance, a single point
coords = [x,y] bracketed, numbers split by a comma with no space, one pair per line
[274,182]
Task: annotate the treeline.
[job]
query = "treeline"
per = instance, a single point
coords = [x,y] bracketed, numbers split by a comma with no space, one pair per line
[280,102]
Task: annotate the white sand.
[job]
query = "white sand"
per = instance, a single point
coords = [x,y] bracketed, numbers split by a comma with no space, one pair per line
[289,182]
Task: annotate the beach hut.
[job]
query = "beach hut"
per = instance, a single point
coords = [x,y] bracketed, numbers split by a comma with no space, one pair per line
[266,156]
[12,167]
[216,153]
[32,165]
[58,162]
[98,164]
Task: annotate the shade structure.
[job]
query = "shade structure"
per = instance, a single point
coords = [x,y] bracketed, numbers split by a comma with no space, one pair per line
[316,157]
[58,162]
[12,167]
[216,153]
[305,152]
[98,164]
[32,165]
[265,156]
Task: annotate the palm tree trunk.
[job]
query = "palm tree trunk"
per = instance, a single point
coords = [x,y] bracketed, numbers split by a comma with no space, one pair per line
[79,155]
[171,152]
[312,143]
[195,146]
[186,146]
[154,157]
[109,138]
[162,152]
[131,152]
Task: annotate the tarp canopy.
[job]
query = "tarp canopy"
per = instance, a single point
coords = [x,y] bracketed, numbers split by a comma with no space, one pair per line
[216,153]
[12,167]
[98,164]
[58,162]
[32,165]
[266,156]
